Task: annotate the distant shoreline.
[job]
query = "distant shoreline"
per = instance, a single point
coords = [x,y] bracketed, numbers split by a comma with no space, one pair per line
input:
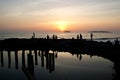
[67,31]
[99,32]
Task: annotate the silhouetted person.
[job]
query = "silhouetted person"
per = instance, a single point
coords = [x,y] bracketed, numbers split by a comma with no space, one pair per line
[81,36]
[48,37]
[91,35]
[108,42]
[53,37]
[33,36]
[116,42]
[77,36]
[72,37]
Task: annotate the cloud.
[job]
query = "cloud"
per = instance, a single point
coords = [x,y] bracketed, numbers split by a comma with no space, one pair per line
[24,7]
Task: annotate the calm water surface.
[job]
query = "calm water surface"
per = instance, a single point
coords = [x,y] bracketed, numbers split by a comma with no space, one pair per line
[60,35]
[44,65]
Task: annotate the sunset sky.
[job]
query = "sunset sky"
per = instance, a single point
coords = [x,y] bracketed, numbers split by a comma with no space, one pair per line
[59,15]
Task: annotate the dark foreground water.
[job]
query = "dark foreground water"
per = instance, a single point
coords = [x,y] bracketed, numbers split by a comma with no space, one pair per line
[44,65]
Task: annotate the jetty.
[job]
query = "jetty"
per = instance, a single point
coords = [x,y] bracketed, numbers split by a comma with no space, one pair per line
[39,43]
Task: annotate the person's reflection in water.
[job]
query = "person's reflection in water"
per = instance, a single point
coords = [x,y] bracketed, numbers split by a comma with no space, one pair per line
[56,54]
[80,57]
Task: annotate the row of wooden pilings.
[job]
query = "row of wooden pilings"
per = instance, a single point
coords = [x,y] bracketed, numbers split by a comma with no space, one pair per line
[32,59]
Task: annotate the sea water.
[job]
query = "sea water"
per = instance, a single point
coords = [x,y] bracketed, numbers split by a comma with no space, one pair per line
[96,36]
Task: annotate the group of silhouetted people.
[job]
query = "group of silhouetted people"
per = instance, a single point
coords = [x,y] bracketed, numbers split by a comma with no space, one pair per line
[81,37]
[55,36]
[116,42]
[48,37]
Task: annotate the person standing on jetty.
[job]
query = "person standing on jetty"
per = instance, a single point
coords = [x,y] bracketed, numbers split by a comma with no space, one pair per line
[33,36]
[91,36]
[77,36]
[48,37]
[80,36]
[116,42]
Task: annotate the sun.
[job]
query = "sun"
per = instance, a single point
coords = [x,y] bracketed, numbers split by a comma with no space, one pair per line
[61,25]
